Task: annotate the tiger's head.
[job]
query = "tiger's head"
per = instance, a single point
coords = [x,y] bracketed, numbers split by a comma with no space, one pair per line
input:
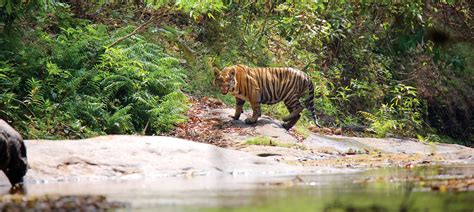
[225,79]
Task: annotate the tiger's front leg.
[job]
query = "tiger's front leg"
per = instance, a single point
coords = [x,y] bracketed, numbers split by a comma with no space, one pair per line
[256,113]
[239,103]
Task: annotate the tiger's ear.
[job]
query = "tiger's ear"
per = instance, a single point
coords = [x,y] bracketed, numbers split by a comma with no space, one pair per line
[232,71]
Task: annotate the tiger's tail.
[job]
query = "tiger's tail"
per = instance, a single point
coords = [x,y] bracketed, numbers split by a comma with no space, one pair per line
[310,103]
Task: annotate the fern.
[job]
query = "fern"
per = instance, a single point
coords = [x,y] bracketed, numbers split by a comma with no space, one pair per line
[112,84]
[120,121]
[368,116]
[401,116]
[34,97]
[169,112]
[75,88]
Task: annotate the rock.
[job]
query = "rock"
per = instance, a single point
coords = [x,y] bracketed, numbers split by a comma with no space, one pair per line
[213,125]
[265,126]
[407,146]
[455,153]
[13,160]
[144,157]
[336,144]
[137,157]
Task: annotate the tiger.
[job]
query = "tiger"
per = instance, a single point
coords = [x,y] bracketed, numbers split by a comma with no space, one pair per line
[267,85]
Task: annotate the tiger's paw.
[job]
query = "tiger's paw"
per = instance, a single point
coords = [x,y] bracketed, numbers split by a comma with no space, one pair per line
[285,125]
[288,125]
[234,117]
[250,121]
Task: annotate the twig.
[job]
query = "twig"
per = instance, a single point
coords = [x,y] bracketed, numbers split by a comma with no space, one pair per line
[26,106]
[139,28]
[135,31]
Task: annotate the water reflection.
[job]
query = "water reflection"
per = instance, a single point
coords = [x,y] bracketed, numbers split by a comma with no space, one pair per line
[433,188]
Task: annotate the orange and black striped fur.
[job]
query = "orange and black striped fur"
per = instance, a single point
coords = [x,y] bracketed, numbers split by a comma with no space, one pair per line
[267,86]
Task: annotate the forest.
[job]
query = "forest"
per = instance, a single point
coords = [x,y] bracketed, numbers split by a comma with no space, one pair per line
[77,69]
[138,105]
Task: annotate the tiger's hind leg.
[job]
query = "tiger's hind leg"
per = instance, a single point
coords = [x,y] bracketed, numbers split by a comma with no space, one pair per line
[288,125]
[293,115]
[295,109]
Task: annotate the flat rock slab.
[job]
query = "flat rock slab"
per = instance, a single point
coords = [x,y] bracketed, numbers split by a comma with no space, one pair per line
[265,127]
[149,157]
[336,144]
[137,157]
[407,146]
[342,144]
[327,149]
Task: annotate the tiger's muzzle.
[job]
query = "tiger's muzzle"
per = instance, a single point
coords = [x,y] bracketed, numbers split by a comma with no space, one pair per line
[224,90]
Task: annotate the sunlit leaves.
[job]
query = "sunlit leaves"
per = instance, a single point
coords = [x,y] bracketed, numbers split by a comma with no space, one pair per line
[11,5]
[80,89]
[402,115]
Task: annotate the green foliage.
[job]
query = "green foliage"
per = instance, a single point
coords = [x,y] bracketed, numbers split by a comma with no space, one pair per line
[14,10]
[401,116]
[196,7]
[192,7]
[277,110]
[362,56]
[69,85]
[10,7]
[169,112]
[372,63]
[267,141]
[430,138]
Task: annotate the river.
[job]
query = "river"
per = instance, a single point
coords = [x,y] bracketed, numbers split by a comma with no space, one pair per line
[428,188]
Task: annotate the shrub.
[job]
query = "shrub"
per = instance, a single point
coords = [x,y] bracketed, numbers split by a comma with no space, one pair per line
[400,116]
[69,85]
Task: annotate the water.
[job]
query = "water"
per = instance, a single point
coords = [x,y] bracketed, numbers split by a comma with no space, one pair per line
[433,188]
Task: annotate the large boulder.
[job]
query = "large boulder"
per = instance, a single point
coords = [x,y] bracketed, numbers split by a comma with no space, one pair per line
[137,157]
[13,160]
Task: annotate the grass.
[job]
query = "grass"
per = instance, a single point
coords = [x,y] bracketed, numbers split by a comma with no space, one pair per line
[267,141]
[278,111]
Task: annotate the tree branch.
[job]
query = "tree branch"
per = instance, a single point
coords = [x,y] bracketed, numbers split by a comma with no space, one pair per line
[139,28]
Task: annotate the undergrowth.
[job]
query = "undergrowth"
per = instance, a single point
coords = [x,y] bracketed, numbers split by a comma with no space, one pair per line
[69,85]
[387,73]
[400,69]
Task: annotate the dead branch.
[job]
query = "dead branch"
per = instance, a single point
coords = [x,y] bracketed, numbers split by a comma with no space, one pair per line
[140,28]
